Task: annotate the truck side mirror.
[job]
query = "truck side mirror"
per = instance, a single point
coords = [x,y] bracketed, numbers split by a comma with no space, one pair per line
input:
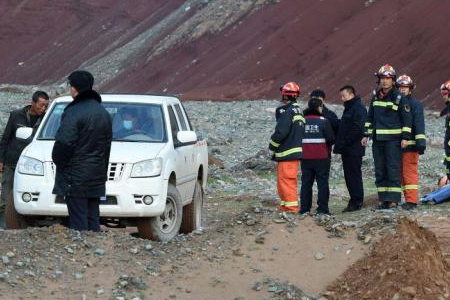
[186,137]
[24,133]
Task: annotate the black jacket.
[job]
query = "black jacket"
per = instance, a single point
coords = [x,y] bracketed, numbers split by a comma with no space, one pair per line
[10,146]
[418,139]
[389,117]
[332,117]
[82,147]
[286,141]
[447,136]
[351,129]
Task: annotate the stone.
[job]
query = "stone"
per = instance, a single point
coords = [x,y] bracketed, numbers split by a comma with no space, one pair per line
[5,259]
[410,290]
[99,251]
[367,239]
[319,255]
[148,247]
[78,276]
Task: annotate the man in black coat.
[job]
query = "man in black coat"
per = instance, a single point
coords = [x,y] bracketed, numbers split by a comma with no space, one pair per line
[348,144]
[11,147]
[81,153]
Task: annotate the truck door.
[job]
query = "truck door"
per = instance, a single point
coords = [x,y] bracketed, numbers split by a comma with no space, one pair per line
[185,164]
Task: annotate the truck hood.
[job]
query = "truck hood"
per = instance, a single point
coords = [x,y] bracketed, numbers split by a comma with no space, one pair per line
[121,152]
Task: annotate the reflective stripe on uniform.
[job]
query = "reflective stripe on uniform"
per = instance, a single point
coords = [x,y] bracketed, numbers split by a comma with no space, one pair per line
[395,189]
[411,187]
[411,143]
[298,118]
[367,124]
[385,104]
[382,189]
[447,158]
[289,203]
[406,129]
[388,131]
[420,136]
[313,141]
[274,144]
[369,131]
[289,152]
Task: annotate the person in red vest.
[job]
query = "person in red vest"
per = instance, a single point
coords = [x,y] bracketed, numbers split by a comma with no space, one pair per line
[315,166]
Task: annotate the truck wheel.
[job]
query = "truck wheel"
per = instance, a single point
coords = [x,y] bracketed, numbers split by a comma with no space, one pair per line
[166,226]
[192,213]
[14,220]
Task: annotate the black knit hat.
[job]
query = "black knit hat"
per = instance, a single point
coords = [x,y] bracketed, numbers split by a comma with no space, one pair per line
[315,103]
[81,80]
[317,94]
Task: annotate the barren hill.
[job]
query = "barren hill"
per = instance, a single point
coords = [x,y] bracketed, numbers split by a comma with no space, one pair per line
[226,49]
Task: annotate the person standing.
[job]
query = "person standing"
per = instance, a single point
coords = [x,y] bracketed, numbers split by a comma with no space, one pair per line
[389,123]
[348,144]
[11,147]
[416,146]
[286,144]
[445,92]
[81,153]
[317,142]
[326,112]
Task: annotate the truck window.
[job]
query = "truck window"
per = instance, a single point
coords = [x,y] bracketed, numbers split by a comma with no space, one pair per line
[187,118]
[131,122]
[173,123]
[180,117]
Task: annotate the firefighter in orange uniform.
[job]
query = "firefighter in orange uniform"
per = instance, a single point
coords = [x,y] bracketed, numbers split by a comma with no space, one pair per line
[416,145]
[286,144]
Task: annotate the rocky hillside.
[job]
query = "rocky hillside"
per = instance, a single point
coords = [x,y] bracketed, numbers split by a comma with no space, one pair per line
[225,49]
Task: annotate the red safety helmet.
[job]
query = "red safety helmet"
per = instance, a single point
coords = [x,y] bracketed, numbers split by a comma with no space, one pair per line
[445,88]
[405,81]
[290,89]
[386,71]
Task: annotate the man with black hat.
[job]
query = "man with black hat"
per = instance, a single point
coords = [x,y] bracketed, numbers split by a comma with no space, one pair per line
[11,147]
[81,153]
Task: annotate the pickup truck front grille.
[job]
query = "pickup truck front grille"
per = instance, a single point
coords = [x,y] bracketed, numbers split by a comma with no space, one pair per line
[110,200]
[115,171]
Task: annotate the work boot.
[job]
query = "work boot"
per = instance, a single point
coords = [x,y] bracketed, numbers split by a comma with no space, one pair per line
[409,206]
[351,208]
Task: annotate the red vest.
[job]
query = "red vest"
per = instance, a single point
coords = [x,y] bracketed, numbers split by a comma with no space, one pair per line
[314,143]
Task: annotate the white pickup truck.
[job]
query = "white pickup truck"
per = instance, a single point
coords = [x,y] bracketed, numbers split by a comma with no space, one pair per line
[157,169]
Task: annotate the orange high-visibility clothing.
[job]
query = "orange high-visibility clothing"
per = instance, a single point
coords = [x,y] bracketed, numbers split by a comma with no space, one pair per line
[410,176]
[287,180]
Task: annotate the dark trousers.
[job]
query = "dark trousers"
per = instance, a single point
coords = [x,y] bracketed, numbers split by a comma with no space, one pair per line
[84,213]
[387,156]
[353,180]
[315,170]
[7,186]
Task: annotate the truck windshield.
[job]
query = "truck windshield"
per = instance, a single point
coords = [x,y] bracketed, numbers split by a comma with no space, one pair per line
[131,122]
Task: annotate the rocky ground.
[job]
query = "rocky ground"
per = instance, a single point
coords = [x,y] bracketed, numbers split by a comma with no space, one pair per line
[247,250]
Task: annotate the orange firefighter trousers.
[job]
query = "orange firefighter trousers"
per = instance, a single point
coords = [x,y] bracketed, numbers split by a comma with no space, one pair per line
[410,176]
[287,173]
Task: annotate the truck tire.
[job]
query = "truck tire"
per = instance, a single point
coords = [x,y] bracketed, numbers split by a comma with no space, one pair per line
[166,226]
[14,220]
[192,213]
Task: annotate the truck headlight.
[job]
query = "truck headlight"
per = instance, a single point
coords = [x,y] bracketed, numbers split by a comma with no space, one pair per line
[147,168]
[30,166]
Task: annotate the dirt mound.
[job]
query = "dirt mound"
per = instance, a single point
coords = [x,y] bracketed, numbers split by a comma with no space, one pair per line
[406,265]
